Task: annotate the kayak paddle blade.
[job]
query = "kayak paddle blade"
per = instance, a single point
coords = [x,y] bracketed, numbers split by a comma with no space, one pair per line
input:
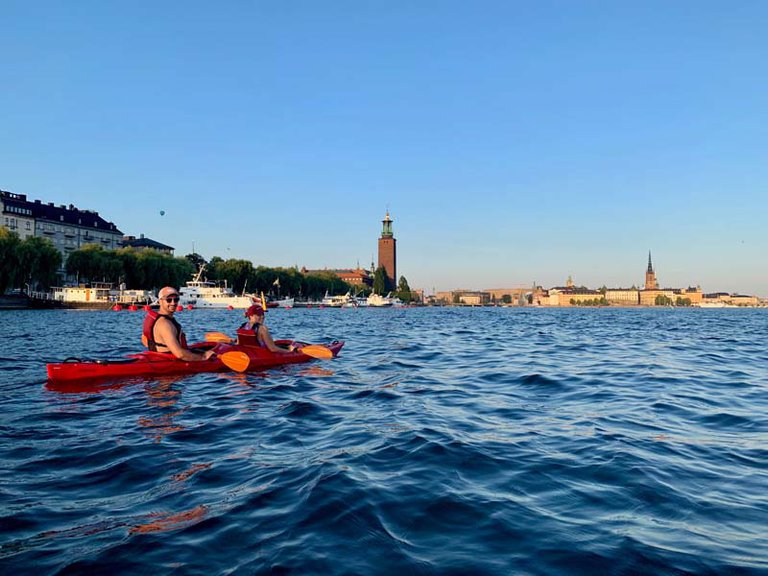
[235,360]
[218,337]
[316,352]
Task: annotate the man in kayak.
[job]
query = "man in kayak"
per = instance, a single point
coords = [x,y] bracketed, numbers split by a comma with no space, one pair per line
[256,327]
[163,332]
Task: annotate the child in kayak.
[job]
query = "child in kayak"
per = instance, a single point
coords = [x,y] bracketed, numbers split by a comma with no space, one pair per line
[255,329]
[163,332]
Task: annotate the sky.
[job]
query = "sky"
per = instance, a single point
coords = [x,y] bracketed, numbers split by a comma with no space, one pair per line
[512,142]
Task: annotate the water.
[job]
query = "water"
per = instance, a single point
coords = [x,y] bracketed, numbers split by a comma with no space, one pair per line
[441,441]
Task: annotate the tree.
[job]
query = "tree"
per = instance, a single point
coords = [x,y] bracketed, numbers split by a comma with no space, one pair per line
[196,260]
[381,281]
[9,259]
[404,291]
[39,262]
[506,299]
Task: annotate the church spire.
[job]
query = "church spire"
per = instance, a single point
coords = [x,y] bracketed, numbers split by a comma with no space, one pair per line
[650,276]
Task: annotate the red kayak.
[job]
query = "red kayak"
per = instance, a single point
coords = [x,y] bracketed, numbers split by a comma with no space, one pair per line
[151,364]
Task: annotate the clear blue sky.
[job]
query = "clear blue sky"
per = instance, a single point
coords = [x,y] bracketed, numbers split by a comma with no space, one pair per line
[512,141]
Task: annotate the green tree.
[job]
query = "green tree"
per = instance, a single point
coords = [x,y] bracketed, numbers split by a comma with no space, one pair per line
[196,260]
[86,263]
[381,281]
[236,273]
[39,262]
[404,291]
[506,298]
[9,259]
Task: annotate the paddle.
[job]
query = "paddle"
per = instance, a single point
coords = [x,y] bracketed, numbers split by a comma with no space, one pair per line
[235,360]
[218,337]
[316,351]
[313,350]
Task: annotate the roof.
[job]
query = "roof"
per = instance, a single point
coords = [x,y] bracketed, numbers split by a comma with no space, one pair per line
[142,242]
[61,214]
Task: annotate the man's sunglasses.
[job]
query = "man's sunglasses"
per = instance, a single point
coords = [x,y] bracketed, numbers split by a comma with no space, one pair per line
[170,299]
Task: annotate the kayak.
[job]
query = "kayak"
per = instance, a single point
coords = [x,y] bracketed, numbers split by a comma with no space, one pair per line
[151,364]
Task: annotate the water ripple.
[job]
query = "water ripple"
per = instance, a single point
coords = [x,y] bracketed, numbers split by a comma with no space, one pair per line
[442,441]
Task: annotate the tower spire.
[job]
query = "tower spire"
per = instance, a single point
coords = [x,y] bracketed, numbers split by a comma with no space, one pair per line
[650,276]
[388,251]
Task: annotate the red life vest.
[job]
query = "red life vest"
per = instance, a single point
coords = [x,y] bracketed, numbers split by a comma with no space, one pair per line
[247,336]
[148,334]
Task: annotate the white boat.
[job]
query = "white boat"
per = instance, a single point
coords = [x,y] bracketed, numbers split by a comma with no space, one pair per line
[283,303]
[337,301]
[379,301]
[207,294]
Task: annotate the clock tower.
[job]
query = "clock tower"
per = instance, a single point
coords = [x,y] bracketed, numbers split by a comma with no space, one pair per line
[388,251]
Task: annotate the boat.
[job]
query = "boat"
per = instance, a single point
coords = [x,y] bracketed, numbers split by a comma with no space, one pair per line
[98,295]
[337,301]
[201,293]
[307,304]
[282,303]
[379,301]
[153,364]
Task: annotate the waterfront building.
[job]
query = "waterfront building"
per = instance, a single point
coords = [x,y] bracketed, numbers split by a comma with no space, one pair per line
[388,250]
[466,297]
[352,276]
[514,296]
[565,296]
[67,227]
[623,296]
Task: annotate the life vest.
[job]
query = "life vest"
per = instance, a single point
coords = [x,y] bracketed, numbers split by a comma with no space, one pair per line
[249,336]
[148,334]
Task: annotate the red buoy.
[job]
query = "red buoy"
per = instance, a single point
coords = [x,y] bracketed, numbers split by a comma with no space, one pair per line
[132,308]
[179,308]
[189,307]
[117,307]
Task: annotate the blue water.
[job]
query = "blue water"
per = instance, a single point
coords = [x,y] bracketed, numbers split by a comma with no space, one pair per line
[441,441]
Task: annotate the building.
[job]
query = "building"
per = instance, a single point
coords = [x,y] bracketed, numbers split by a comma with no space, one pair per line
[650,276]
[623,296]
[388,251]
[142,243]
[570,296]
[352,276]
[67,227]
[517,296]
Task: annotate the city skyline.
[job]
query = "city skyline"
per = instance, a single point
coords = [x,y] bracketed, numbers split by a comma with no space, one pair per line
[514,142]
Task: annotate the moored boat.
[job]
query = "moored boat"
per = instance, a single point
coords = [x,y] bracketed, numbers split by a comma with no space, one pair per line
[337,301]
[202,293]
[282,303]
[98,295]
